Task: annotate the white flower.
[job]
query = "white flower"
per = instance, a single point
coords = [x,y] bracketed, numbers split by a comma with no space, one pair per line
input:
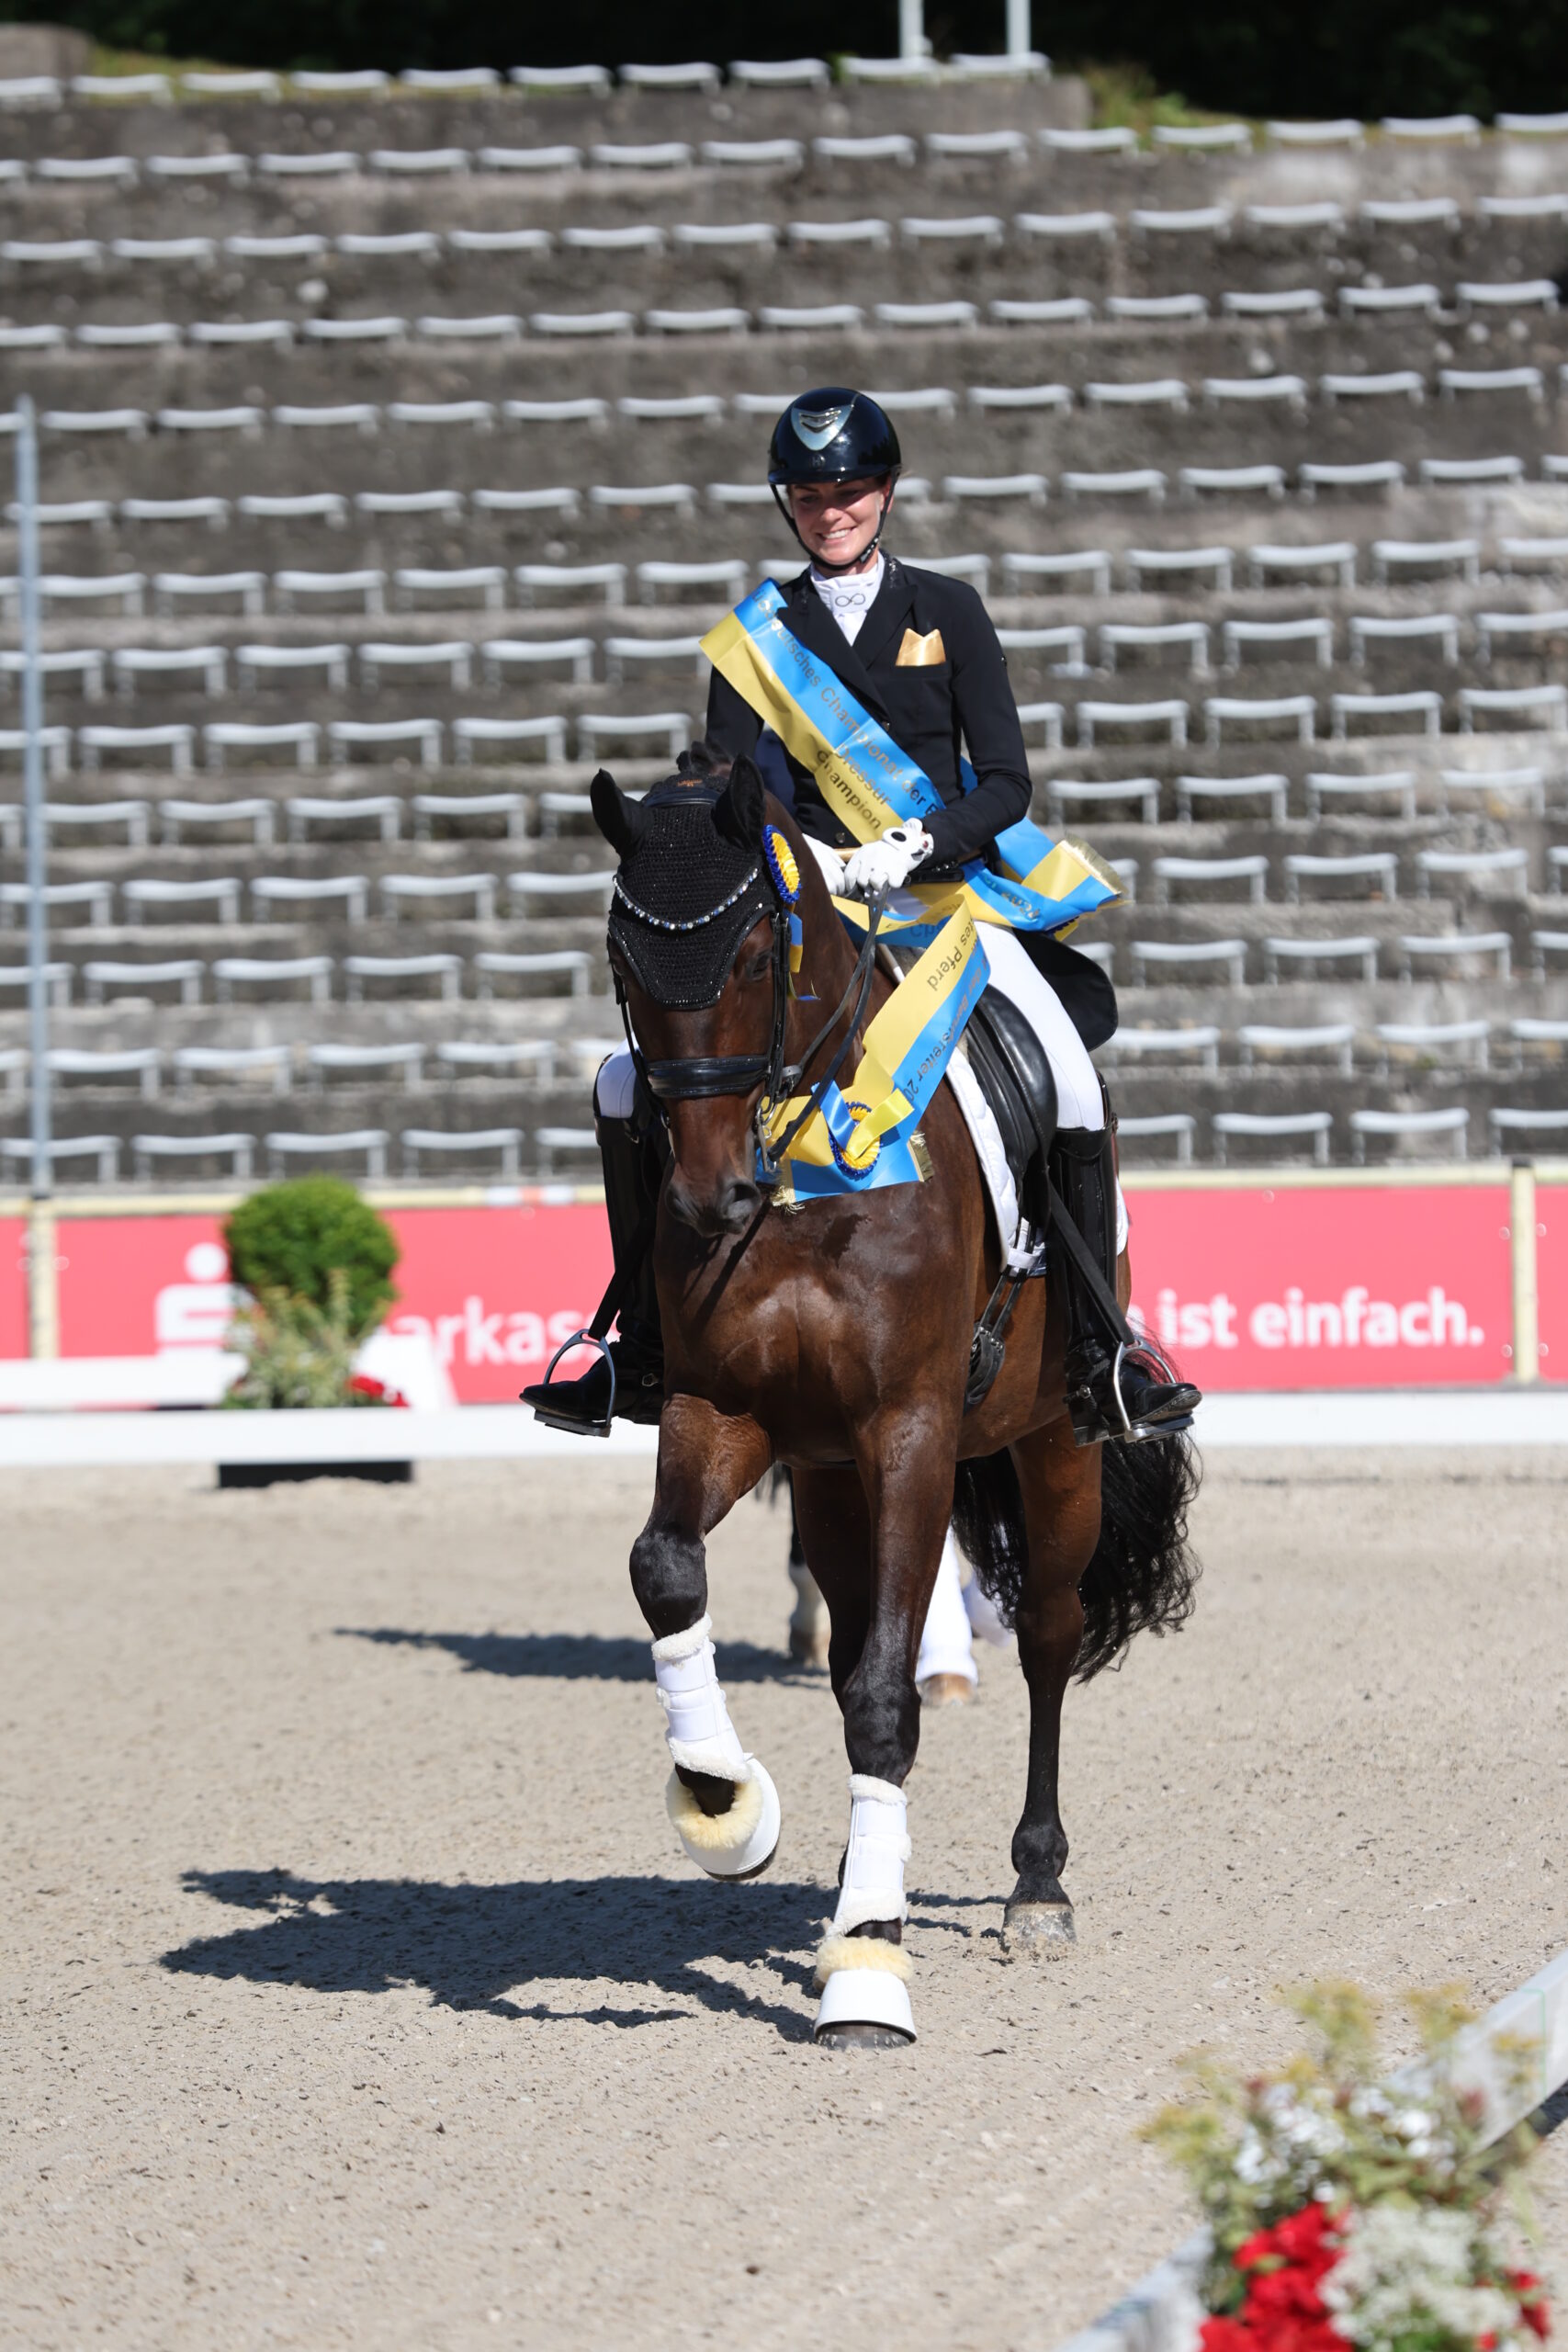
[1404,2267]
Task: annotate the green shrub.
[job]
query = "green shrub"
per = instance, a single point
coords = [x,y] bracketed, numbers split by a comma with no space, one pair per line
[299,1356]
[290,1239]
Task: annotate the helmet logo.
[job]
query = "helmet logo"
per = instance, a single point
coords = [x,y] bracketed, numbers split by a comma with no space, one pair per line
[818,426]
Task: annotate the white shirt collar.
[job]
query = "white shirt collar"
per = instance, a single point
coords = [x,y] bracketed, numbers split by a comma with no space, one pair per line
[849,597]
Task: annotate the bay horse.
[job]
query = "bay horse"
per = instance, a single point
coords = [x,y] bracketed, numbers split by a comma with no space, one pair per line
[834,1336]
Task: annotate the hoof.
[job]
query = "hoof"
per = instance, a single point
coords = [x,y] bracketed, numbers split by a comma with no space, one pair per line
[864,2008]
[738,1844]
[948,1690]
[861,2036]
[809,1648]
[1038,1930]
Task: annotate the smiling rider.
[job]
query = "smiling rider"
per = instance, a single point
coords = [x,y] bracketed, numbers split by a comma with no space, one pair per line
[916,650]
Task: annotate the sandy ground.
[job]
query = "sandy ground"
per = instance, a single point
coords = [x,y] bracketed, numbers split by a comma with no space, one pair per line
[354,1991]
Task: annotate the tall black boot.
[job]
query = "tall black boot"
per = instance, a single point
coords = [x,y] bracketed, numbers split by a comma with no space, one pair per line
[1115,1385]
[633,1172]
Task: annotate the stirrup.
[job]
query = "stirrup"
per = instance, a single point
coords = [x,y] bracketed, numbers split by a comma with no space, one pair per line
[1143,1433]
[560,1420]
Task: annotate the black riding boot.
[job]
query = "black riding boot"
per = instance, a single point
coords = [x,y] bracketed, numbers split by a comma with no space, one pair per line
[629,1150]
[1129,1398]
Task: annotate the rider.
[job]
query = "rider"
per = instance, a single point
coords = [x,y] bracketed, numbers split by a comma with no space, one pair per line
[919,652]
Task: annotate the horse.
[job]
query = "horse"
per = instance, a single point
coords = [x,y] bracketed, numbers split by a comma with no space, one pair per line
[834,1336]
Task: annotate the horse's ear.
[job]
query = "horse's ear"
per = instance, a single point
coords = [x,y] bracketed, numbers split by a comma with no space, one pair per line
[740,809]
[619,820]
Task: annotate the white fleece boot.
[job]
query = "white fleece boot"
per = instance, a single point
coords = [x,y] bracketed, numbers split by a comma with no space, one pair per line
[739,1843]
[864,1981]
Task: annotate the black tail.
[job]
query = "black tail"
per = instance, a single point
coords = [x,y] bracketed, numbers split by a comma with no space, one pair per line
[1143,1572]
[987,1519]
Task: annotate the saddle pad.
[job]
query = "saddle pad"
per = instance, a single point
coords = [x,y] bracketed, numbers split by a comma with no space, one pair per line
[990,1151]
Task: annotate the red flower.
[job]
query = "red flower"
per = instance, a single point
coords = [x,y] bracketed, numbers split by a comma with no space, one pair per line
[376,1392]
[1533,2307]
[1283,2312]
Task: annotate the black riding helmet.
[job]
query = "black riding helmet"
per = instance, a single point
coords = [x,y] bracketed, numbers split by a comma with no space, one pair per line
[832,435]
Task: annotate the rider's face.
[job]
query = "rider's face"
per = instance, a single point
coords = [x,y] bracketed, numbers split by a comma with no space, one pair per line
[838,520]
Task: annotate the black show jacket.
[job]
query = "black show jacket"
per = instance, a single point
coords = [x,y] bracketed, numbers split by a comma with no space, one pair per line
[929,708]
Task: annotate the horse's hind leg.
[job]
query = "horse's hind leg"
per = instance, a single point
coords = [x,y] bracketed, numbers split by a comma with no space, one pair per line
[1060,1485]
[809,1624]
[722,1801]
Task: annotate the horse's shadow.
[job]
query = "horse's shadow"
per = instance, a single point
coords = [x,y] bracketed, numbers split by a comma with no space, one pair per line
[581,1657]
[485,1947]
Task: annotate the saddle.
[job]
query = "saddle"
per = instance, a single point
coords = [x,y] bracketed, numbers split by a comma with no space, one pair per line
[1014,1074]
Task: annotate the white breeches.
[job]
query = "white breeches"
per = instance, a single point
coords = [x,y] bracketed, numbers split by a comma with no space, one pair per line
[1078,1102]
[613,1086]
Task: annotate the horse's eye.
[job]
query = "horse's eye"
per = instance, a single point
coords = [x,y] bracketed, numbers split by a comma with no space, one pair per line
[759,967]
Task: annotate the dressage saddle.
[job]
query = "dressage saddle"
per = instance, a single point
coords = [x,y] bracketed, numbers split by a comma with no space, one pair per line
[1014,1074]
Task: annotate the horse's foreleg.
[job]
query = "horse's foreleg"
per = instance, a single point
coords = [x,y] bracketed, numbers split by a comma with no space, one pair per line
[722,1801]
[1060,1482]
[907,1477]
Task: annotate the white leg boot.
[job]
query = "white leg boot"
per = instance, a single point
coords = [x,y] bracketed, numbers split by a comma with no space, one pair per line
[742,1841]
[945,1672]
[864,1981]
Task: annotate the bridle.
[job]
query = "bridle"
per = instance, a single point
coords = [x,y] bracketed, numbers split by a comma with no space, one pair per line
[690,1077]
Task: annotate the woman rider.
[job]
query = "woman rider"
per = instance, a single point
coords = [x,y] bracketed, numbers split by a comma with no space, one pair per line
[920,654]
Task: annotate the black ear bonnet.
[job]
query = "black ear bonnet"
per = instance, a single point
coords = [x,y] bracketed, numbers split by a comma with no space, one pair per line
[694,879]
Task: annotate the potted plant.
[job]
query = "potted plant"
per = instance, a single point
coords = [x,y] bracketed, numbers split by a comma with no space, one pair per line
[317,1262]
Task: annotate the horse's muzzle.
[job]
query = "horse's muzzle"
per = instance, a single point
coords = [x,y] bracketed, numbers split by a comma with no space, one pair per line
[729,1208]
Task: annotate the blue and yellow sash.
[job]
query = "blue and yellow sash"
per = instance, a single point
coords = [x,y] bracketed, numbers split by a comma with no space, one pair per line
[864,1136]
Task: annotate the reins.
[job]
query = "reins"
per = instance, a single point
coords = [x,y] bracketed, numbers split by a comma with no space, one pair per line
[858,987]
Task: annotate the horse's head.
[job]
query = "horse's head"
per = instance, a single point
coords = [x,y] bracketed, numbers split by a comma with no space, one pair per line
[697,941]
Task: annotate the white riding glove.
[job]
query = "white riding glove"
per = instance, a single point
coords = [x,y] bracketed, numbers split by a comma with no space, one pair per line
[887,864]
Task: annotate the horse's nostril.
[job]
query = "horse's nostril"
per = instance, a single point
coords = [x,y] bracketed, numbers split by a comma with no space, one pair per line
[741,1201]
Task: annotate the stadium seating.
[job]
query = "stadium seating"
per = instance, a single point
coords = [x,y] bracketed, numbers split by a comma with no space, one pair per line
[396,456]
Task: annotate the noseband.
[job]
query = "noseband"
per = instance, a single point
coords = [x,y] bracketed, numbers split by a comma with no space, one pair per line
[691,1078]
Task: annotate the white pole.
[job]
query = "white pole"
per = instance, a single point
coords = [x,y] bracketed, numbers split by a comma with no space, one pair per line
[43,1298]
[912,41]
[1018,29]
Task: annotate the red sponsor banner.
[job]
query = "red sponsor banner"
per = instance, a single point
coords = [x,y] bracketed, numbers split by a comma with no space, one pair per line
[1552,1278]
[14,1319]
[1342,1286]
[497,1288]
[1256,1287]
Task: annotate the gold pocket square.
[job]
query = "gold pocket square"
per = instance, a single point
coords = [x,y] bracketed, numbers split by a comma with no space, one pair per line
[918,652]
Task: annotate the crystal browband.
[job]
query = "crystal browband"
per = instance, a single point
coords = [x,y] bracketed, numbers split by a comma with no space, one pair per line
[659,923]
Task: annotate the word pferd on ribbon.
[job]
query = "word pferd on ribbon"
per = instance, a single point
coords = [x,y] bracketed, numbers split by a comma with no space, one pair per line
[863,1137]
